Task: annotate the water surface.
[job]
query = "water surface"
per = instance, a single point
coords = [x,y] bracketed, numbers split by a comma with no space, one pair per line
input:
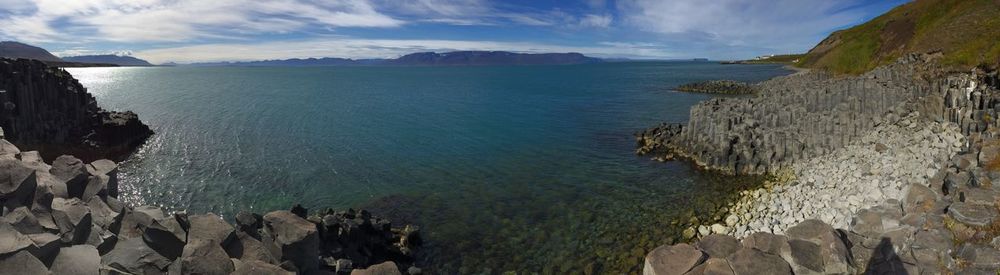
[504,168]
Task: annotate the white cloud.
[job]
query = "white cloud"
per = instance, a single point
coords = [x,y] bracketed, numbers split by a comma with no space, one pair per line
[776,24]
[375,48]
[182,20]
[595,20]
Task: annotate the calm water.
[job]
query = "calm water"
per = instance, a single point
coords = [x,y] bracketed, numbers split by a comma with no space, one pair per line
[504,168]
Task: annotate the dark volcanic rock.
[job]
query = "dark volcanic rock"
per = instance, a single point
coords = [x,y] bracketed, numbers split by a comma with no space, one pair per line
[718,87]
[259,268]
[292,238]
[205,256]
[673,259]
[211,227]
[751,261]
[386,268]
[134,256]
[792,118]
[22,263]
[46,109]
[718,246]
[77,259]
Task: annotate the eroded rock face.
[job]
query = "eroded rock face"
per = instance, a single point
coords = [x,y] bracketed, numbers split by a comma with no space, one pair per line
[792,118]
[46,109]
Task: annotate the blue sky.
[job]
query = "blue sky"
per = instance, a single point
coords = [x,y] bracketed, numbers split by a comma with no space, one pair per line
[186,31]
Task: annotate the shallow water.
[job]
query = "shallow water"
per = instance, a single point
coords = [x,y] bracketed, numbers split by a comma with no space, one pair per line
[504,168]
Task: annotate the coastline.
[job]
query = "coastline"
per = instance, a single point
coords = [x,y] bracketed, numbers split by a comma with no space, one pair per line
[912,193]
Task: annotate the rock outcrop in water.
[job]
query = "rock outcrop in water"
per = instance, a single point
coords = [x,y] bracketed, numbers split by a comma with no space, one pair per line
[66,218]
[44,108]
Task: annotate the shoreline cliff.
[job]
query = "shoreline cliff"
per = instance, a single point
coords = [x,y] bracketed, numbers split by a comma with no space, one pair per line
[45,109]
[887,172]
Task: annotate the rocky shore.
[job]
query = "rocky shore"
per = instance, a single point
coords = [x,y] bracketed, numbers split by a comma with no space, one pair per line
[728,87]
[45,109]
[65,218]
[910,194]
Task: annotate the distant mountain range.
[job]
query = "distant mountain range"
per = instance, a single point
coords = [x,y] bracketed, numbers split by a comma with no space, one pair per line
[11,49]
[459,58]
[108,59]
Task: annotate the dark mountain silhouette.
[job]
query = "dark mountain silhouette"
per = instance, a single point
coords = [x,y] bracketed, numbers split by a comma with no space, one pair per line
[11,49]
[460,58]
[108,59]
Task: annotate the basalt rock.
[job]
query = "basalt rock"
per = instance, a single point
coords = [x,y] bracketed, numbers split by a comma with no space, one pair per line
[719,87]
[793,118]
[45,109]
[89,231]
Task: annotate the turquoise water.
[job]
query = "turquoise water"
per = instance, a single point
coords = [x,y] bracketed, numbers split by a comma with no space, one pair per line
[504,168]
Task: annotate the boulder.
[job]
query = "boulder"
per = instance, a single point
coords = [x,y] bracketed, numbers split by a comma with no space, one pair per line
[804,257]
[712,266]
[23,221]
[718,246]
[988,153]
[972,214]
[766,242]
[259,268]
[22,263]
[980,256]
[46,246]
[134,256]
[248,249]
[103,216]
[71,171]
[107,168]
[78,259]
[102,239]
[292,238]
[205,256]
[386,268]
[8,149]
[73,219]
[34,160]
[166,237]
[672,259]
[211,227]
[11,240]
[134,221]
[249,223]
[919,198]
[752,261]
[867,223]
[96,185]
[17,184]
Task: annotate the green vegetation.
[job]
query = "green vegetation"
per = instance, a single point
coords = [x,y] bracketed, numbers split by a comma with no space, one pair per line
[777,59]
[966,32]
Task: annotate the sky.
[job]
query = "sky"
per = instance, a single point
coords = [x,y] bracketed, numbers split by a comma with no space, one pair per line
[186,31]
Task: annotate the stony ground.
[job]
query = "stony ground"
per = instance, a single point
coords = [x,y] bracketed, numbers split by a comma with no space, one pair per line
[875,168]
[938,216]
[913,196]
[65,218]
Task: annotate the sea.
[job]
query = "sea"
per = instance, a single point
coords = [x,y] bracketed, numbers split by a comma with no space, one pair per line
[529,169]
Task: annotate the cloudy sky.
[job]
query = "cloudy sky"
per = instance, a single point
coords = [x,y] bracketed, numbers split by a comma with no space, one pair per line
[215,30]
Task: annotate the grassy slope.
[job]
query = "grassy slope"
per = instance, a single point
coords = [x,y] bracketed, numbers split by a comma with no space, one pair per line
[967,32]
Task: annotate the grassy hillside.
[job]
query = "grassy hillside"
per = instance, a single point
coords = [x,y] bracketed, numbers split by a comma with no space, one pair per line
[967,32]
